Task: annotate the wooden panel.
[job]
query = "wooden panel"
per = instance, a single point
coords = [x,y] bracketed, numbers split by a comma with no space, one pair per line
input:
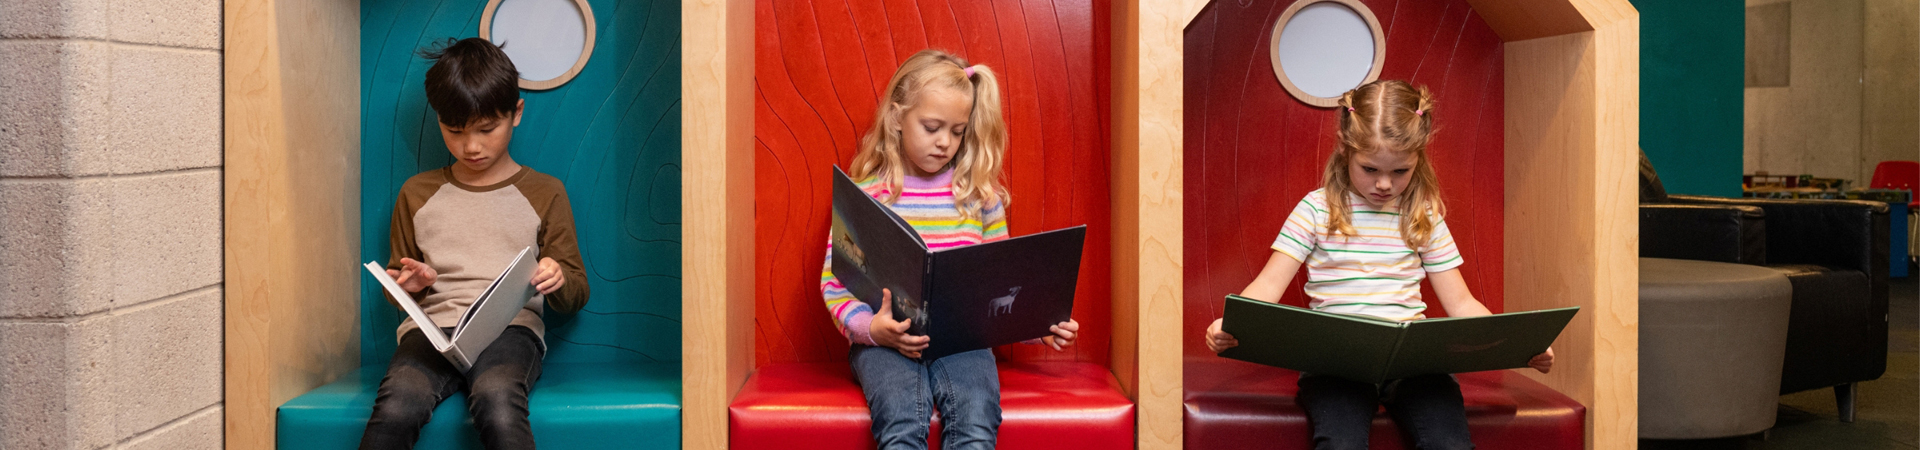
[291,205]
[1147,203]
[1528,19]
[820,68]
[1253,151]
[717,191]
[1572,124]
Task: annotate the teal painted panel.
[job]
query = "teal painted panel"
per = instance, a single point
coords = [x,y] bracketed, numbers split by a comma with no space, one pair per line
[612,135]
[1692,75]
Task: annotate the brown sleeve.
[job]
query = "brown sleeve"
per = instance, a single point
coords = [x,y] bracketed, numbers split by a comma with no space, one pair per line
[548,196]
[400,238]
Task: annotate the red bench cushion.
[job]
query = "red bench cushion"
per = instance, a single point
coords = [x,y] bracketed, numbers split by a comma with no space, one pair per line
[1043,404]
[1235,405]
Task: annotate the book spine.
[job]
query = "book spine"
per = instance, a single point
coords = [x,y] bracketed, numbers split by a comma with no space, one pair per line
[1393,357]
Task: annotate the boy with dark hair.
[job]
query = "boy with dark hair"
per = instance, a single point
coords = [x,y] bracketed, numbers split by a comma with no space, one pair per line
[454,230]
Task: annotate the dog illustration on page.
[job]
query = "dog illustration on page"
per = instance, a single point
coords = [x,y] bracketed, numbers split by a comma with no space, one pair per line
[1002,305]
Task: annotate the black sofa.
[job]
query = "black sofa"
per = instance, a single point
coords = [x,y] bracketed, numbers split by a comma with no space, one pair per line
[1834,252]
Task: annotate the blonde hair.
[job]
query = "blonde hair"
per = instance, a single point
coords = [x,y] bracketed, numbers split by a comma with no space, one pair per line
[976,166]
[1394,116]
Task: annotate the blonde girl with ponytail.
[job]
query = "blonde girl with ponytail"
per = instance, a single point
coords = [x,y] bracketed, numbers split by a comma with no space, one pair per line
[1367,237]
[933,154]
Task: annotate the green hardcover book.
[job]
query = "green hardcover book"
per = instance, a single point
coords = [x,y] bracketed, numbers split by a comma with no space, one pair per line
[1370,349]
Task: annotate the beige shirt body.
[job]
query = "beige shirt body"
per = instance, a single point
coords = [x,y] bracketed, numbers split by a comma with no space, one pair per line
[469,234]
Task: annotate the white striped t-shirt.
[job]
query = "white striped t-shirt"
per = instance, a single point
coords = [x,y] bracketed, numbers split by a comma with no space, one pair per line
[1374,273]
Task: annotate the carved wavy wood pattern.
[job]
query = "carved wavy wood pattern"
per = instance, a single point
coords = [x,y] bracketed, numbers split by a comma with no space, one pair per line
[612,134]
[1252,151]
[819,68]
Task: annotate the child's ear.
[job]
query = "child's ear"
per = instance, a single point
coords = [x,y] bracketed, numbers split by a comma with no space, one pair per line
[894,111]
[518,107]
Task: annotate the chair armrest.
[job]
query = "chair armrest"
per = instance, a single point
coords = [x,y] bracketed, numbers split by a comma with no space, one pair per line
[1846,234]
[1719,233]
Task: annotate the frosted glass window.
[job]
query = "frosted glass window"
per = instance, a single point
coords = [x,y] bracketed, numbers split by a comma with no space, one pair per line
[549,41]
[1323,48]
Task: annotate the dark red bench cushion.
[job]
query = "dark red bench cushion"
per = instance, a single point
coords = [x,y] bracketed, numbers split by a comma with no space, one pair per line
[1238,405]
[1043,404]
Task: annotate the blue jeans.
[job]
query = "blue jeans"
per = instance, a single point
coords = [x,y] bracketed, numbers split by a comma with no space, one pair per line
[902,392]
[497,387]
[1428,408]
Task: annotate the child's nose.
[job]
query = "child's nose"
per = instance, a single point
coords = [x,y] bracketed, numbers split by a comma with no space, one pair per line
[1382,183]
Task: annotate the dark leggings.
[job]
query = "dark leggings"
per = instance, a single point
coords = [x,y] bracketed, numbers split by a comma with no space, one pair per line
[1428,409]
[497,387]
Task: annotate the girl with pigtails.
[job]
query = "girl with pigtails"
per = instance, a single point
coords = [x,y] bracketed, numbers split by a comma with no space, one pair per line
[1367,237]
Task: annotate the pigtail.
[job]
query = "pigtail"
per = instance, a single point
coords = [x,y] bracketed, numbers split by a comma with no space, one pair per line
[1337,184]
[976,171]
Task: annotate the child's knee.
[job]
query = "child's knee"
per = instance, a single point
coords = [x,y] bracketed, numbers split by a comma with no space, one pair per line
[404,407]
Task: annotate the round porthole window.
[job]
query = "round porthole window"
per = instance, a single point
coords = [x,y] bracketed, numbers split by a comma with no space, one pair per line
[549,41]
[1323,48]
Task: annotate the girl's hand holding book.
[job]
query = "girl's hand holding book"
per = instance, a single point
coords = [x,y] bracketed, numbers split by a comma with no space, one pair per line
[1219,340]
[887,332]
[413,275]
[1063,335]
[1542,362]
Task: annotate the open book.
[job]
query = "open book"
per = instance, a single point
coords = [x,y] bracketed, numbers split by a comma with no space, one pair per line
[483,322]
[1371,349]
[964,298]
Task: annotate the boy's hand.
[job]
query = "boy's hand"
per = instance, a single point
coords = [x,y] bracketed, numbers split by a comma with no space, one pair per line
[547,276]
[413,275]
[1219,340]
[893,334]
[1542,362]
[1063,335]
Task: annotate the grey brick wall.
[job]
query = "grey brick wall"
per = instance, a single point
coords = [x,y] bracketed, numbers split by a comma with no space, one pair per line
[110,224]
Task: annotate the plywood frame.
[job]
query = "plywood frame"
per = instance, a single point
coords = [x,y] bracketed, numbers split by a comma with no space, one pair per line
[717,205]
[291,193]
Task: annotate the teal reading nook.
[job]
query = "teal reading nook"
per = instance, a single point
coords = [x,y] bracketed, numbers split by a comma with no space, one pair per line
[612,134]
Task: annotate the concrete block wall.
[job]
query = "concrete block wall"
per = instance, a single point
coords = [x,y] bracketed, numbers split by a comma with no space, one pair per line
[110,224]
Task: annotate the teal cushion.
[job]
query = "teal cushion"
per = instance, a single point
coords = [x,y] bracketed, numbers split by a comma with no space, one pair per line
[573,405]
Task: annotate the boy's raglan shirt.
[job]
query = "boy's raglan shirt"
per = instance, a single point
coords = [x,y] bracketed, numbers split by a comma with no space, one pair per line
[470,233]
[1375,273]
[928,205]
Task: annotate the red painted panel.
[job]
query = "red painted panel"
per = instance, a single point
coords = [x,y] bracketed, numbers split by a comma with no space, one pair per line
[1252,151]
[820,66]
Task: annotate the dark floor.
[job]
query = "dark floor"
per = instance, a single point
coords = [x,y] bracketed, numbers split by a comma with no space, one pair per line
[1887,408]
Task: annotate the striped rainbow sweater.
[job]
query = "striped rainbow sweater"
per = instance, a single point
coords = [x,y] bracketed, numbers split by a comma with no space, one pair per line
[928,205]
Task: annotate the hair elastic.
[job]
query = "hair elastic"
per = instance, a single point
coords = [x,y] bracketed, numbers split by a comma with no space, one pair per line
[968,70]
[1349,109]
[1419,112]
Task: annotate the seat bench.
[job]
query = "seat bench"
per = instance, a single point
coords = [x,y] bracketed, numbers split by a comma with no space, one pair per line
[1239,405]
[1043,405]
[573,406]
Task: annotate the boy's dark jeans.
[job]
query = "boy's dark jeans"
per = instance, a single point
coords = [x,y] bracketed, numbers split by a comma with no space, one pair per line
[419,378]
[1428,409]
[903,392]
